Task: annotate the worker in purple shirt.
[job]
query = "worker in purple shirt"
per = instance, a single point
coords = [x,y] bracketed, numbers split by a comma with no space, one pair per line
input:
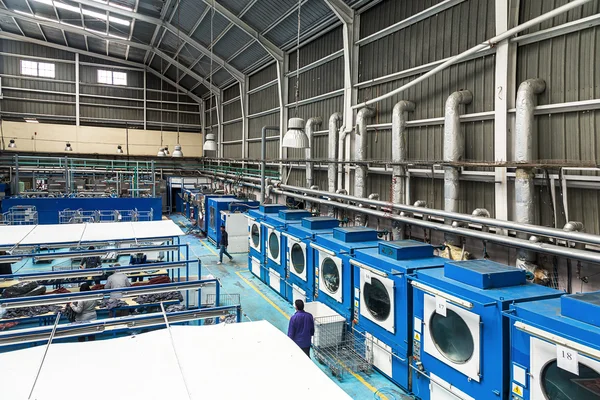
[302,327]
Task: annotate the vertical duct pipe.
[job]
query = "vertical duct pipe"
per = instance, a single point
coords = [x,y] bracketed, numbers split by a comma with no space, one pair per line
[573,226]
[399,155]
[263,162]
[332,155]
[454,151]
[311,124]
[341,152]
[360,173]
[524,183]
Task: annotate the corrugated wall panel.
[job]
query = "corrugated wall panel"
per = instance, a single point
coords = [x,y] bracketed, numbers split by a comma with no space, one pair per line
[534,8]
[297,177]
[232,132]
[232,111]
[323,109]
[263,76]
[272,150]
[317,49]
[231,92]
[323,79]
[266,99]
[255,125]
[233,150]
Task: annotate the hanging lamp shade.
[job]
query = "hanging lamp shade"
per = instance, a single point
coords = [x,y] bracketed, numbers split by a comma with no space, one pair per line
[166,150]
[177,152]
[119,149]
[295,137]
[68,147]
[161,153]
[210,144]
[12,144]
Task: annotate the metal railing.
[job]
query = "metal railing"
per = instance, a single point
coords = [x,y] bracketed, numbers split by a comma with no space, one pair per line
[20,215]
[103,216]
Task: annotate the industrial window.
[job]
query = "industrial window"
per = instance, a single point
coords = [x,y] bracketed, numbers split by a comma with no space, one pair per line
[112,77]
[34,68]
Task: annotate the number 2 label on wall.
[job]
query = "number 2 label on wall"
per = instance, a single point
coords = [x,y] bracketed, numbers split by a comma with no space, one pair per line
[567,359]
[440,305]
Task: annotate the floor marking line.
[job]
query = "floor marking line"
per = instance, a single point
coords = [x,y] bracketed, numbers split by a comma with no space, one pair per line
[253,287]
[210,249]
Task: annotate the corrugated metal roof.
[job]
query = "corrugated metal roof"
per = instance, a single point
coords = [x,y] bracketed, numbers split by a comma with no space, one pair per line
[249,56]
[231,42]
[188,13]
[203,32]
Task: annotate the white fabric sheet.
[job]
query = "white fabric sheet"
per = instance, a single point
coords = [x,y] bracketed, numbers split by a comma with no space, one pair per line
[252,360]
[52,234]
[113,230]
[12,234]
[155,229]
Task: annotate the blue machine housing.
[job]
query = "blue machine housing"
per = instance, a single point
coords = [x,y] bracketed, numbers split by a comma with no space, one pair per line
[256,233]
[215,220]
[383,301]
[331,263]
[460,338]
[276,244]
[205,209]
[548,332]
[299,255]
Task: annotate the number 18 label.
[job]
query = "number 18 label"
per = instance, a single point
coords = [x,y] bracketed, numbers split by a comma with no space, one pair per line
[567,359]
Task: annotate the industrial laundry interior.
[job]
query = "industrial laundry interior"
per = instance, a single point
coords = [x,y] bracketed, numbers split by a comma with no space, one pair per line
[330,199]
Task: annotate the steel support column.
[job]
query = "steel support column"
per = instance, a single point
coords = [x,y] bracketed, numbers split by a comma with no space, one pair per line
[283,93]
[244,106]
[145,100]
[77,90]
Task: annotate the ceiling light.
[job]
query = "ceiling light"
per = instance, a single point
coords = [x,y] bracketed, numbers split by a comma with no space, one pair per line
[166,150]
[68,147]
[32,120]
[119,149]
[161,153]
[295,137]
[210,144]
[12,144]
[177,153]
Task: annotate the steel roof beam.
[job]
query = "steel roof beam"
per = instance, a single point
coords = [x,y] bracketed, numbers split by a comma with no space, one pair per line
[163,14]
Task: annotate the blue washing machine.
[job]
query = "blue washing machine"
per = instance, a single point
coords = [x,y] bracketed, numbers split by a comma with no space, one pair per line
[205,210]
[275,244]
[218,204]
[383,302]
[256,253]
[331,263]
[460,337]
[555,348]
[299,256]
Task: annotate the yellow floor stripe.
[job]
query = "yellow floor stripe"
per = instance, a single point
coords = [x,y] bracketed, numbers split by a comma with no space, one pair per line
[209,248]
[253,287]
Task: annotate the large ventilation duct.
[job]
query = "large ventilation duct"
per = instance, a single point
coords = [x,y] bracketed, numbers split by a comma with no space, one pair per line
[399,155]
[311,124]
[332,155]
[524,183]
[360,173]
[454,151]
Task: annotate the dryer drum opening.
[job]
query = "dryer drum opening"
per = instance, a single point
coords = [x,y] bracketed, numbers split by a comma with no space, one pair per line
[559,384]
[452,337]
[274,245]
[377,299]
[297,256]
[331,275]
[255,234]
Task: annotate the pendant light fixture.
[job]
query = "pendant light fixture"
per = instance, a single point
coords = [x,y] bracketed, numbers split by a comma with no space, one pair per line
[161,153]
[295,137]
[177,152]
[119,149]
[166,150]
[210,143]
[12,144]
[68,147]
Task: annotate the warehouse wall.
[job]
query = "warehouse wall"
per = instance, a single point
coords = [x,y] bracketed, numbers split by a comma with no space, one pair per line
[54,99]
[52,138]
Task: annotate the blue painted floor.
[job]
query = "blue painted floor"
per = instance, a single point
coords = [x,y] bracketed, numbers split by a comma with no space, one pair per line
[260,302]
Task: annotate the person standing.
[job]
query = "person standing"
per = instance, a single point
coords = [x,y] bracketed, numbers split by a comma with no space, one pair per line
[223,245]
[302,327]
[5,268]
[137,259]
[84,311]
[91,262]
[116,281]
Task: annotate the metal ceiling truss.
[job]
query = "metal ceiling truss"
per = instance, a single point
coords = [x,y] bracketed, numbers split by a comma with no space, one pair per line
[12,36]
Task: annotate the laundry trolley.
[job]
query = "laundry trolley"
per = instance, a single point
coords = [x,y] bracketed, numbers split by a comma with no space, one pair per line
[300,275]
[256,244]
[331,263]
[461,341]
[276,245]
[383,302]
[555,348]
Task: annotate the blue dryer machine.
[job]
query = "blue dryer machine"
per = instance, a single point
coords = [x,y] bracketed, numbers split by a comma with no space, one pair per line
[205,208]
[460,337]
[555,348]
[276,244]
[331,262]
[299,255]
[215,220]
[256,246]
[383,302]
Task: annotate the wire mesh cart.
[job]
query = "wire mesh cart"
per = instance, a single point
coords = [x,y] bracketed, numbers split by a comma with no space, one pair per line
[341,348]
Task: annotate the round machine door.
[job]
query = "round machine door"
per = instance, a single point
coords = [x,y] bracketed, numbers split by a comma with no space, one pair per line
[330,276]
[297,258]
[273,244]
[578,378]
[452,335]
[377,299]
[254,234]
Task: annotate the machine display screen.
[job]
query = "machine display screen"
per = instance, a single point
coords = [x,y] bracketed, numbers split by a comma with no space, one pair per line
[559,384]
[377,299]
[331,275]
[255,234]
[452,337]
[274,245]
[297,256]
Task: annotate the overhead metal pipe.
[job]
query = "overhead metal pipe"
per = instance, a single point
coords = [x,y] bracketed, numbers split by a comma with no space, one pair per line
[341,152]
[360,154]
[332,155]
[399,154]
[454,151]
[540,247]
[311,124]
[263,155]
[483,213]
[497,223]
[485,45]
[524,178]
